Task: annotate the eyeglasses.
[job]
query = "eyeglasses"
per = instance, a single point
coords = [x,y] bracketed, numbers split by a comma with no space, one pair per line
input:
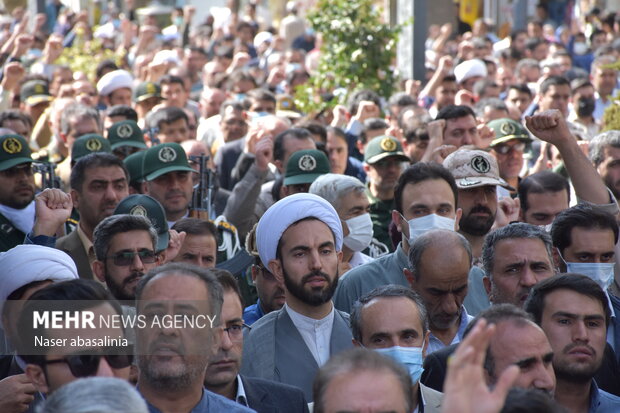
[123,259]
[17,170]
[235,331]
[505,149]
[85,365]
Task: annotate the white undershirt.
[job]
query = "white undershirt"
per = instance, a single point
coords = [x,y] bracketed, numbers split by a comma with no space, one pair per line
[22,219]
[316,333]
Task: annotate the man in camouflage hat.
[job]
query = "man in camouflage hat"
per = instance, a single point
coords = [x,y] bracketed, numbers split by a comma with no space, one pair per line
[302,168]
[126,138]
[511,140]
[384,161]
[168,178]
[477,177]
[16,191]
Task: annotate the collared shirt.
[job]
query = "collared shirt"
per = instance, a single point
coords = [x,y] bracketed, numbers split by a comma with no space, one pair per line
[253,313]
[210,402]
[611,329]
[358,281]
[600,106]
[359,259]
[87,244]
[602,402]
[435,344]
[241,398]
[316,333]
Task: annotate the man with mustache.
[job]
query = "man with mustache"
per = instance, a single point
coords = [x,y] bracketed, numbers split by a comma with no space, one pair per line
[223,376]
[172,361]
[299,239]
[574,313]
[126,248]
[477,176]
[168,177]
[16,191]
[98,183]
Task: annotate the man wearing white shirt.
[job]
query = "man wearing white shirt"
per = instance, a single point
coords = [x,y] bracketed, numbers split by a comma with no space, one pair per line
[299,238]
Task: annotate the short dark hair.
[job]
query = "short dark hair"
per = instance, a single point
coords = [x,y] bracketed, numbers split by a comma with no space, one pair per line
[117,224]
[315,128]
[553,81]
[195,226]
[125,111]
[386,291]
[455,112]
[227,281]
[583,216]
[521,88]
[105,66]
[517,230]
[533,42]
[400,99]
[292,133]
[581,284]
[14,114]
[530,401]
[216,295]
[93,160]
[235,104]
[74,295]
[540,183]
[419,172]
[171,79]
[166,116]
[261,94]
[358,360]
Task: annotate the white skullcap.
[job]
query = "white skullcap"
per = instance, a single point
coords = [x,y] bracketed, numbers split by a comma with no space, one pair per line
[288,211]
[28,263]
[261,38]
[105,31]
[470,68]
[114,80]
[166,56]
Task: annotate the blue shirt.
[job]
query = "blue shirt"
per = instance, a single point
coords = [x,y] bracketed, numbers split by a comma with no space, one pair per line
[435,344]
[211,403]
[252,313]
[602,402]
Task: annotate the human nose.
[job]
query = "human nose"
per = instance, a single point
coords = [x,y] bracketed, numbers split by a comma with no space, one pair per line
[579,332]
[136,262]
[528,279]
[104,369]
[468,138]
[226,342]
[449,304]
[545,378]
[315,261]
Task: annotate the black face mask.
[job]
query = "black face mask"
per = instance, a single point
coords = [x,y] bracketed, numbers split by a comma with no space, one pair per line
[585,107]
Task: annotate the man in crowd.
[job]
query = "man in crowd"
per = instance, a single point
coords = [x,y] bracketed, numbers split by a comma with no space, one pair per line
[223,376]
[200,244]
[393,321]
[300,239]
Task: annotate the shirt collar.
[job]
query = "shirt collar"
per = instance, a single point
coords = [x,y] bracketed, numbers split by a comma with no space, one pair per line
[594,397]
[301,321]
[88,244]
[241,398]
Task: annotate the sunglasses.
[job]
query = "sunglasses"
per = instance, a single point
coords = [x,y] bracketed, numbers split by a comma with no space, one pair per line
[123,259]
[18,170]
[505,149]
[86,365]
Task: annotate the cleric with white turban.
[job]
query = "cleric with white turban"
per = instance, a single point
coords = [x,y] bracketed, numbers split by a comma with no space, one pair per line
[28,263]
[286,212]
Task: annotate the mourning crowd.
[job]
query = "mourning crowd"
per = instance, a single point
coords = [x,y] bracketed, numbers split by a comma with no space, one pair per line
[449,248]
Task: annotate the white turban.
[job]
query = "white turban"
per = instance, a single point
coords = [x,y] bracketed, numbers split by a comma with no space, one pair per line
[470,68]
[288,211]
[28,263]
[114,80]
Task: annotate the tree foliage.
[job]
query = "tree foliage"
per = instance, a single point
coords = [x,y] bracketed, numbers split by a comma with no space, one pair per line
[358,52]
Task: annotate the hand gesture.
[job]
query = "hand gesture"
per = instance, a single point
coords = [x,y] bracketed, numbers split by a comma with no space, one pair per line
[16,393]
[366,110]
[39,21]
[507,212]
[445,64]
[13,74]
[174,245]
[22,44]
[276,76]
[465,389]
[485,136]
[264,152]
[53,49]
[340,116]
[464,97]
[550,126]
[52,208]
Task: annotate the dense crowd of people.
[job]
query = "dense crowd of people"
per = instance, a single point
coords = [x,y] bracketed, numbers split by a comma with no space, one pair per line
[450,248]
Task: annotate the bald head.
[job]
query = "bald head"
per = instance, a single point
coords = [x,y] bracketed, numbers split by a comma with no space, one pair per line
[436,243]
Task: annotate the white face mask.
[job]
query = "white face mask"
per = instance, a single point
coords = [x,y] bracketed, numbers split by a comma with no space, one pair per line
[580,48]
[599,272]
[419,226]
[360,232]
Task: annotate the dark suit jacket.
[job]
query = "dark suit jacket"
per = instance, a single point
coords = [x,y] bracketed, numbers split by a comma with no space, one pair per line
[436,364]
[267,396]
[72,245]
[226,159]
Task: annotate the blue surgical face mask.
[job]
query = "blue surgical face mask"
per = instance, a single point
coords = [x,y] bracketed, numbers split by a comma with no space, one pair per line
[419,226]
[409,357]
[600,272]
